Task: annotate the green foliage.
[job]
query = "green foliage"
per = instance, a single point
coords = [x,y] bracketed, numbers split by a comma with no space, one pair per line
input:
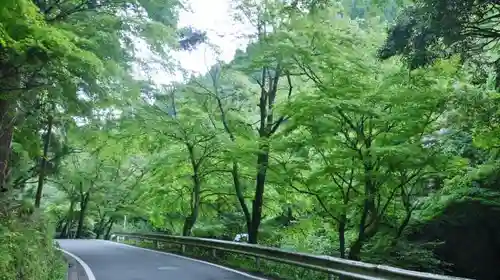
[428,30]
[356,141]
[28,250]
[64,67]
[306,138]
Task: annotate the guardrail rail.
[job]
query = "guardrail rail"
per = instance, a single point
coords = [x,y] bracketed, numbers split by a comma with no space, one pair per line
[331,265]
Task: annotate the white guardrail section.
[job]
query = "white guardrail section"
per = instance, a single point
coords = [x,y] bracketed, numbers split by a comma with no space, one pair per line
[331,265]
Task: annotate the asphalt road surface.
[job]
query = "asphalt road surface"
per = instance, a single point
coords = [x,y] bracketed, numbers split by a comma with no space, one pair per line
[115,261]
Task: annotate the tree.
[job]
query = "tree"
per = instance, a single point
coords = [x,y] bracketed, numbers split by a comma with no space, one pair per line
[66,70]
[266,67]
[429,30]
[367,150]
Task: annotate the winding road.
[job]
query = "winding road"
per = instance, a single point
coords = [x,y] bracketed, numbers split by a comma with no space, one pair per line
[114,261]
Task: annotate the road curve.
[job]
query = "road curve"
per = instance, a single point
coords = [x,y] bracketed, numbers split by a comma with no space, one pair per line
[115,261]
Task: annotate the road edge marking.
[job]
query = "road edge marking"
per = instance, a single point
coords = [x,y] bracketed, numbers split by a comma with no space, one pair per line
[192,259]
[86,268]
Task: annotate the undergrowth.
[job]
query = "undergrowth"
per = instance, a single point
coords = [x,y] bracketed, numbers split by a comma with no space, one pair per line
[28,252]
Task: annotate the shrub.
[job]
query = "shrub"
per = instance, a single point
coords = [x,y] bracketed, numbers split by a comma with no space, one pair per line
[28,252]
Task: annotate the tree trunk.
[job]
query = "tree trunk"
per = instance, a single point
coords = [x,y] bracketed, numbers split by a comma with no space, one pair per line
[101,227]
[43,163]
[196,195]
[188,225]
[267,127]
[341,231]
[111,222]
[69,218]
[262,162]
[190,221]
[363,234]
[369,220]
[64,229]
[266,117]
[368,228]
[235,170]
[84,199]
[6,130]
[241,198]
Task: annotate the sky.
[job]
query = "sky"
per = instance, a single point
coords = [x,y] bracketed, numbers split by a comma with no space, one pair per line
[214,17]
[211,16]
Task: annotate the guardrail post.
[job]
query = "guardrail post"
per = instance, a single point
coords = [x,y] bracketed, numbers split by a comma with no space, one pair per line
[156,244]
[183,248]
[257,262]
[214,253]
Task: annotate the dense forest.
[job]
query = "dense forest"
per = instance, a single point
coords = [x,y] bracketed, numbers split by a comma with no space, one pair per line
[359,129]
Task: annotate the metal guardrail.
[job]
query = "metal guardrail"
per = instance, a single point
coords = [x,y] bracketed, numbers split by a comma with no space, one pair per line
[330,265]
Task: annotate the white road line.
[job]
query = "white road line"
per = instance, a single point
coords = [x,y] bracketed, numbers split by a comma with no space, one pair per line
[191,259]
[167,268]
[86,268]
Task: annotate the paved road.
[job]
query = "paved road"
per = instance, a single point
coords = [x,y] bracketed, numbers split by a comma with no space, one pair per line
[114,261]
